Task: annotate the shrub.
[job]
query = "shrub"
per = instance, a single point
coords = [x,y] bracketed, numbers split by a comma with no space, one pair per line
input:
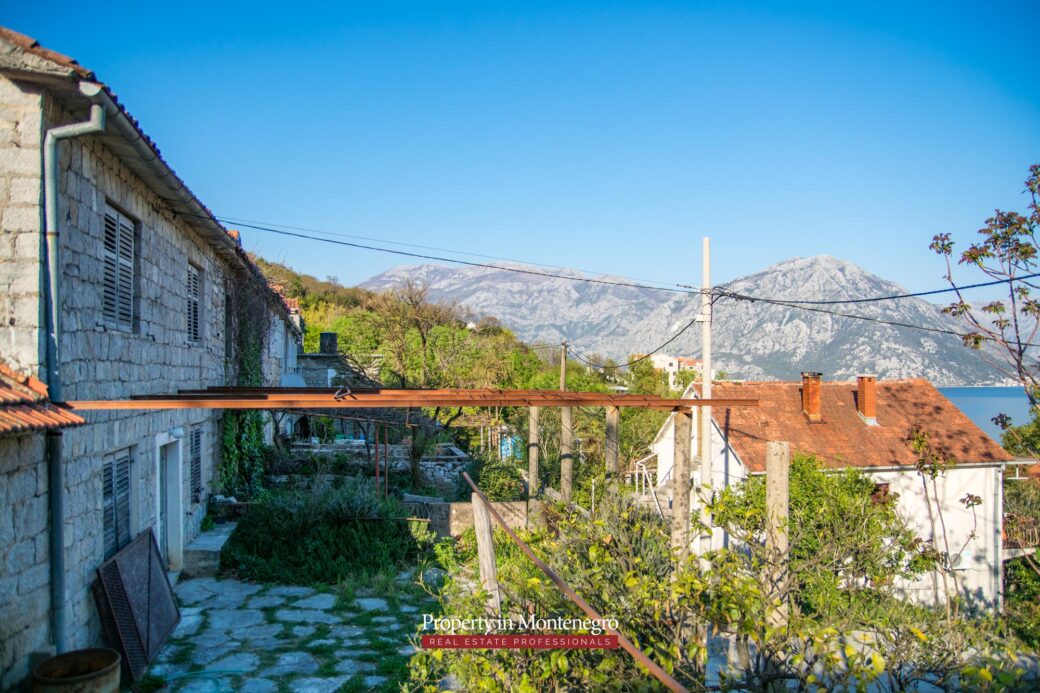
[845,628]
[500,480]
[322,536]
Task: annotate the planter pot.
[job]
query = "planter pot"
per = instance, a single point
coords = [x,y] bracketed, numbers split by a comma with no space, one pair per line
[80,671]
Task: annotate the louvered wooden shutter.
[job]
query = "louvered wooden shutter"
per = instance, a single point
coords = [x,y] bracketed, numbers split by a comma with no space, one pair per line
[118,280]
[116,502]
[194,303]
[196,465]
[108,506]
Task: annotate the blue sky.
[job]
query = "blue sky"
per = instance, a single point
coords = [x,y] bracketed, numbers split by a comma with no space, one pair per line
[603,136]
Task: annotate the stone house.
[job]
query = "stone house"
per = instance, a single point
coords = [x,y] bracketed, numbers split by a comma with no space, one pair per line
[866,425]
[143,278]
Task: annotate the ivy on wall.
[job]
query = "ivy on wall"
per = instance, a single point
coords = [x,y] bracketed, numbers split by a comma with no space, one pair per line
[243,450]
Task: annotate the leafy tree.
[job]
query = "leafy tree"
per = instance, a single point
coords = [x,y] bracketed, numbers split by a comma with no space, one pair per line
[685,377]
[1006,252]
[845,629]
[644,379]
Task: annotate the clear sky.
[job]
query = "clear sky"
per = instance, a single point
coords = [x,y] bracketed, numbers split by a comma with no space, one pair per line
[604,136]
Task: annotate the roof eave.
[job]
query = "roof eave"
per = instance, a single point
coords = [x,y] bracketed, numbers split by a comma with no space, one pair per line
[136,150]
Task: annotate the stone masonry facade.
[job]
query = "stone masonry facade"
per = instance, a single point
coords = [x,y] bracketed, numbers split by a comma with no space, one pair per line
[98,362]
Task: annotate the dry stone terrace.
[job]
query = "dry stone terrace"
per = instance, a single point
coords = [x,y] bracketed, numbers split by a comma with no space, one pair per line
[237,636]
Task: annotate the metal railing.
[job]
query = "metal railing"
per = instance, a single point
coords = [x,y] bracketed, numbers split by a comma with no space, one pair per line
[643,479]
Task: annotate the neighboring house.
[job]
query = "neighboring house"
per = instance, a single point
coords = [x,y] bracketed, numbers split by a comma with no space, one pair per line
[330,367]
[866,425]
[672,365]
[142,275]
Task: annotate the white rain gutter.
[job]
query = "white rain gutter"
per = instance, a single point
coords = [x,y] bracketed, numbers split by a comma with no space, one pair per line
[53,450]
[52,258]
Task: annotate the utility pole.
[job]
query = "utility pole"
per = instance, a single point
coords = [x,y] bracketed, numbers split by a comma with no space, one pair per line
[566,434]
[705,412]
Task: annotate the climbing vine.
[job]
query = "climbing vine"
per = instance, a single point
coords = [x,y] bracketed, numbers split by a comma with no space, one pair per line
[243,449]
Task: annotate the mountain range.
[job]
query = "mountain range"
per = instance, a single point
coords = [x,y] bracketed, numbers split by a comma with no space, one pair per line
[752,340]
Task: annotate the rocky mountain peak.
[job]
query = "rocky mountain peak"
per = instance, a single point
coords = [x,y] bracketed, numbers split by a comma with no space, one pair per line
[751,339]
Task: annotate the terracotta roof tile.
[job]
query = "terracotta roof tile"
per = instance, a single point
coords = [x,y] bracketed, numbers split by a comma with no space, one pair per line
[24,405]
[32,46]
[843,438]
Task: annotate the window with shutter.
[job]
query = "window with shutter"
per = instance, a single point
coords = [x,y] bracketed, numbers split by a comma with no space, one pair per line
[116,501]
[196,465]
[194,303]
[118,279]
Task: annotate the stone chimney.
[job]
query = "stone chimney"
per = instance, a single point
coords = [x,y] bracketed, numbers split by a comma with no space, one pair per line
[328,343]
[811,385]
[866,398]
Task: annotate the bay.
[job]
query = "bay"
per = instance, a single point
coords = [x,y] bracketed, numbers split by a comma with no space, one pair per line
[981,404]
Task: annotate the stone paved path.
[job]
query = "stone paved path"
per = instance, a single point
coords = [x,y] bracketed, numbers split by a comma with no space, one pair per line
[236,636]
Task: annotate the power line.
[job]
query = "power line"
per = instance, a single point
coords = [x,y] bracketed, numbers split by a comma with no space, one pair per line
[247,222]
[468,263]
[788,304]
[799,304]
[916,294]
[644,357]
[681,288]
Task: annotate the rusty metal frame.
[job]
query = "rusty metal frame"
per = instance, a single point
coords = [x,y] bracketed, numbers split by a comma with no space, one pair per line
[385,398]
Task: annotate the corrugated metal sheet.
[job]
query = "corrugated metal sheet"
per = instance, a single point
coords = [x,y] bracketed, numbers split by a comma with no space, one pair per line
[24,405]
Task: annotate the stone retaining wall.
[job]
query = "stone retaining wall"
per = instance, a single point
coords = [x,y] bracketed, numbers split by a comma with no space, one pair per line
[452,519]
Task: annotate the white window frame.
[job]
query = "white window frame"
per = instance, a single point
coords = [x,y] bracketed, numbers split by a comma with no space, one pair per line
[119,267]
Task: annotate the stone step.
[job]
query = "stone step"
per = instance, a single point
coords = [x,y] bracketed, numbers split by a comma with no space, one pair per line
[202,556]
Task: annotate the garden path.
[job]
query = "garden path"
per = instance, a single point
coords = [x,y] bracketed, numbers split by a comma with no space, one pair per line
[237,636]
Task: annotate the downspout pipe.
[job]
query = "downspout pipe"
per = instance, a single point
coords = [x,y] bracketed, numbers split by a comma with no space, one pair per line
[53,451]
[50,188]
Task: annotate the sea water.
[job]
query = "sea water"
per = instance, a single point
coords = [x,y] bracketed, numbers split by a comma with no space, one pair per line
[981,404]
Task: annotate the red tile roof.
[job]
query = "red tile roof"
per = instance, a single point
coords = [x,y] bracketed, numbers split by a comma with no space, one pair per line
[71,69]
[842,438]
[24,406]
[33,47]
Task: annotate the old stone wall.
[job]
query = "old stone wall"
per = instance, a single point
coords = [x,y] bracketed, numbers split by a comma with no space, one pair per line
[442,472]
[155,357]
[98,362]
[452,519]
[21,219]
[24,555]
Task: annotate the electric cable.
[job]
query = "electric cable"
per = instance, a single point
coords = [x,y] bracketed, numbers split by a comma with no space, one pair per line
[893,297]
[468,263]
[245,222]
[895,323]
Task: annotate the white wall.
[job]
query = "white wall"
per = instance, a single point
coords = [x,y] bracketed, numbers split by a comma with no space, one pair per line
[979,571]
[980,566]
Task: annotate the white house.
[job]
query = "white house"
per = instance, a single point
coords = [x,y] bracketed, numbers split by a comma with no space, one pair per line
[866,424]
[117,281]
[672,365]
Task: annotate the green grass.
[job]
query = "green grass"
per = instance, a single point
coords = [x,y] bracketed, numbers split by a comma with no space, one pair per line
[183,653]
[354,685]
[363,619]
